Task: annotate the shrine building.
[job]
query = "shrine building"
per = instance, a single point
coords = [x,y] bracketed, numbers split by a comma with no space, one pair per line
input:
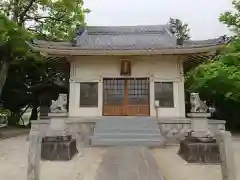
[128,70]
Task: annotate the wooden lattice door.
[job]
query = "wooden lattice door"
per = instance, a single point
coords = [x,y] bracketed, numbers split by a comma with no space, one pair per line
[137,97]
[126,96]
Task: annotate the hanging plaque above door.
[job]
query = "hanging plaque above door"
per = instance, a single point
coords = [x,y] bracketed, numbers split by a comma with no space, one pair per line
[125,67]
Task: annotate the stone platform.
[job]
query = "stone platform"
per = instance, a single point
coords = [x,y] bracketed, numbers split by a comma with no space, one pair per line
[195,151]
[58,148]
[173,129]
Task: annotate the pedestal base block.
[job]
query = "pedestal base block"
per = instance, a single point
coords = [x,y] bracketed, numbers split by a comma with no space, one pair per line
[58,150]
[195,151]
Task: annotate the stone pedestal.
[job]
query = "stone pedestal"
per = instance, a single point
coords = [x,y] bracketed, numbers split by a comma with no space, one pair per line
[199,121]
[200,145]
[58,125]
[58,144]
[228,165]
[200,127]
[195,151]
[58,148]
[34,154]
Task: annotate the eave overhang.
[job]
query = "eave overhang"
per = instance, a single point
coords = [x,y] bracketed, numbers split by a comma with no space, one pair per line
[64,51]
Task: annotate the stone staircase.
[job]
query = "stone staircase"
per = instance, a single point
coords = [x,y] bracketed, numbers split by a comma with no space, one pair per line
[139,131]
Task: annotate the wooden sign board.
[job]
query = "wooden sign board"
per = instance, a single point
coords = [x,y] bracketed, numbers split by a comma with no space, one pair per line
[125,67]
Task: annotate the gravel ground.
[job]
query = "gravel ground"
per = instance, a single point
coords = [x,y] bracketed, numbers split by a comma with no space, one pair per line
[12,132]
[13,163]
[174,167]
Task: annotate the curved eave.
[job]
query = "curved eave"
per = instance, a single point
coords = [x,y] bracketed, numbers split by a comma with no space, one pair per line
[76,51]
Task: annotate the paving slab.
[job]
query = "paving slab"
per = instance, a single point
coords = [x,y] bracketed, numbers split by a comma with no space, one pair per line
[128,163]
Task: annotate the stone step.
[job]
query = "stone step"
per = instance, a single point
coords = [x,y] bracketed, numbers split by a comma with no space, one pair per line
[126,135]
[129,123]
[141,131]
[114,131]
[129,142]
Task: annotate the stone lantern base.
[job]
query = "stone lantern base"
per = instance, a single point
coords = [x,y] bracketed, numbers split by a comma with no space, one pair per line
[58,148]
[193,150]
[200,145]
[58,144]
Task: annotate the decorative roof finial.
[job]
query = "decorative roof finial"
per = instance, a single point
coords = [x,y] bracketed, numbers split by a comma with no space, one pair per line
[79,29]
[172,28]
[224,39]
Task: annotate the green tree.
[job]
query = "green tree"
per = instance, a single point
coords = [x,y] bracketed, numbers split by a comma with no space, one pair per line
[218,82]
[232,19]
[17,95]
[12,45]
[49,19]
[179,29]
[216,79]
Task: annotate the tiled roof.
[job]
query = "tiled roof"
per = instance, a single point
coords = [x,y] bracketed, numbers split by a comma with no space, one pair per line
[125,29]
[151,37]
[126,37]
[208,42]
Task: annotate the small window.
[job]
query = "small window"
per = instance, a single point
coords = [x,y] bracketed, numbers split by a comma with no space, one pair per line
[164,94]
[89,94]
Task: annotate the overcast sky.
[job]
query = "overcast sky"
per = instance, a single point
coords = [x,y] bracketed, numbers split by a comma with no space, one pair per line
[201,15]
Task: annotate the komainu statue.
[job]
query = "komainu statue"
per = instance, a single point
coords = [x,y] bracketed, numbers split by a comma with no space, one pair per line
[60,105]
[197,105]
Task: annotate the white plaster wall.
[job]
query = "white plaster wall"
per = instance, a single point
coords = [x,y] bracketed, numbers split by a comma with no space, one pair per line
[156,68]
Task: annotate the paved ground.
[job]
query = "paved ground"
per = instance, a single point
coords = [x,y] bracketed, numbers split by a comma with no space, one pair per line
[128,163]
[13,164]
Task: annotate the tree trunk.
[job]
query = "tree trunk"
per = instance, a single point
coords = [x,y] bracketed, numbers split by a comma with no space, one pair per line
[3,73]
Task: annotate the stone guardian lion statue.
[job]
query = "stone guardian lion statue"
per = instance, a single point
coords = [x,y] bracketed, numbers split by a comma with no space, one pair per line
[60,105]
[197,105]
